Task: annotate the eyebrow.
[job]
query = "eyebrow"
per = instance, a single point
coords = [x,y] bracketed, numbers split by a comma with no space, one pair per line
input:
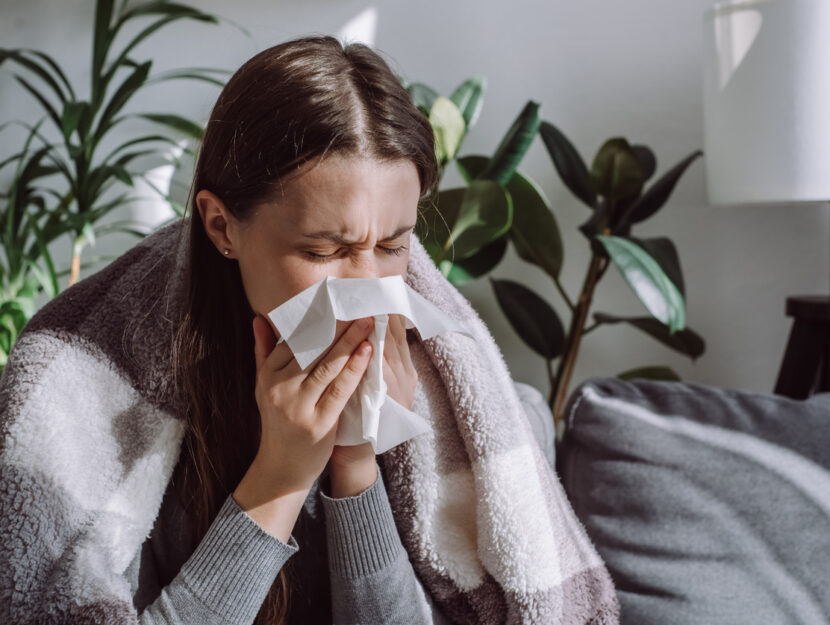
[335,236]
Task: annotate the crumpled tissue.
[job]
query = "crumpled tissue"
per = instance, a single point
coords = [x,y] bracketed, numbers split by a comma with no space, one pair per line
[307,322]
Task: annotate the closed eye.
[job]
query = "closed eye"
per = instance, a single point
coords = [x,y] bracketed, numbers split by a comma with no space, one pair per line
[321,258]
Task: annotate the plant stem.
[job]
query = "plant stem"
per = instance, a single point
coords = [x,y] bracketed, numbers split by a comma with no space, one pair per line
[76,268]
[567,363]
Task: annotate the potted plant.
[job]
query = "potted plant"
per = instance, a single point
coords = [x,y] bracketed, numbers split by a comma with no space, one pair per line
[62,184]
[466,231]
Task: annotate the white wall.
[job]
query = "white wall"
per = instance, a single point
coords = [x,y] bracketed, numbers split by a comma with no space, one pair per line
[599,68]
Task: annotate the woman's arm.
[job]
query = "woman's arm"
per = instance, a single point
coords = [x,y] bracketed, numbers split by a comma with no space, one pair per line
[372,580]
[227,577]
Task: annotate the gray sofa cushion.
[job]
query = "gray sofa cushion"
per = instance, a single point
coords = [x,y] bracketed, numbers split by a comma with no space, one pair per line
[708,505]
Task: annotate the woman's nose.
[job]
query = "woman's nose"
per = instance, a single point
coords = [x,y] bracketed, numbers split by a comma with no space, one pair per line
[361,264]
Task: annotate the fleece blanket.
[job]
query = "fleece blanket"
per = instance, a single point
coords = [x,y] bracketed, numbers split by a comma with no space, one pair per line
[89,439]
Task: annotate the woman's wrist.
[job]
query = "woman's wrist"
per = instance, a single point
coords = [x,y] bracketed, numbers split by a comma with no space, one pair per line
[274,507]
[348,480]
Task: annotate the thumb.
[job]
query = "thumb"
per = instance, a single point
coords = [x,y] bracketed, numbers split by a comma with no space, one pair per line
[264,340]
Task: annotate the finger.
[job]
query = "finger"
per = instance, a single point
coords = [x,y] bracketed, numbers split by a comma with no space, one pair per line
[268,353]
[337,393]
[332,363]
[264,340]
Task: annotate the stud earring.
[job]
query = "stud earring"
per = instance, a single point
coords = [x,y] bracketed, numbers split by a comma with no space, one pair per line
[227,252]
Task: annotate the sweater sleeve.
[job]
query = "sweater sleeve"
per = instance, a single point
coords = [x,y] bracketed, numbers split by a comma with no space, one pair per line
[226,578]
[372,580]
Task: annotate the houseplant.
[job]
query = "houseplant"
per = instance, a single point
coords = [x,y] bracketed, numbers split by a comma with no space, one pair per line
[62,185]
[466,231]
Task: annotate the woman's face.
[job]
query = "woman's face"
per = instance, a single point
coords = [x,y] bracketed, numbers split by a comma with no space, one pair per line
[346,217]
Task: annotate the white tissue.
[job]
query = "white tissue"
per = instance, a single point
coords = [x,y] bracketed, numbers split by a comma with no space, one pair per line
[307,322]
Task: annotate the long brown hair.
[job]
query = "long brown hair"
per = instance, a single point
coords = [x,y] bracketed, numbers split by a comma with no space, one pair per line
[289,105]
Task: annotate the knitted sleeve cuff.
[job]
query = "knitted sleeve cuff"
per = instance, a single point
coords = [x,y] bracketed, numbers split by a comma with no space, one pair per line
[360,532]
[235,564]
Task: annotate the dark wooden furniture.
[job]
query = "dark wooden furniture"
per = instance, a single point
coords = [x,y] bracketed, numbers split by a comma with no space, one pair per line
[806,366]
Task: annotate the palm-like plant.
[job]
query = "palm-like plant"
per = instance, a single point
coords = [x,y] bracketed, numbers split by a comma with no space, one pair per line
[83,124]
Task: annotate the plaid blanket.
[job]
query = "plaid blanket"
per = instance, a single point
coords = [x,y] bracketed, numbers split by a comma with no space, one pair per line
[89,439]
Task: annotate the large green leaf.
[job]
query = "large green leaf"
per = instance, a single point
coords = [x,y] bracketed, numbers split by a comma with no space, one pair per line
[463,220]
[650,283]
[656,196]
[422,96]
[615,172]
[533,319]
[513,146]
[685,341]
[662,250]
[449,128]
[568,163]
[535,232]
[468,98]
[466,270]
[647,160]
[486,213]
[660,374]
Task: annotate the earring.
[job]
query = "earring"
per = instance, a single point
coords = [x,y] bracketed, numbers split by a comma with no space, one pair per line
[227,252]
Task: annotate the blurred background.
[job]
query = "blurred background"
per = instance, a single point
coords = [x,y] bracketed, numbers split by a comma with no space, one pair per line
[597,68]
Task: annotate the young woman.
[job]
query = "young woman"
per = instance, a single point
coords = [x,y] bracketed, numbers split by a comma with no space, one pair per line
[164,460]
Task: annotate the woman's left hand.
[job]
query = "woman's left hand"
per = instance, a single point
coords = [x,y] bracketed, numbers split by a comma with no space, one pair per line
[353,468]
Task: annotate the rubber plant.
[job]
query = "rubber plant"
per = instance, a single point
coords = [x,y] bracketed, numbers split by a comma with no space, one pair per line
[466,230]
[82,124]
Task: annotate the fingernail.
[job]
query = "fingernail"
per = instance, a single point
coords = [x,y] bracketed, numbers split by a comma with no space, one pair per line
[364,323]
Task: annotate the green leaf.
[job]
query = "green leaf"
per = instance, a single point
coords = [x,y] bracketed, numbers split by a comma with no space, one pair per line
[192,74]
[122,95]
[662,250]
[685,341]
[101,40]
[72,112]
[651,285]
[664,374]
[568,163]
[652,200]
[513,146]
[485,214]
[615,172]
[646,159]
[468,98]
[448,127]
[47,106]
[534,232]
[422,96]
[533,319]
[483,261]
[176,122]
[19,57]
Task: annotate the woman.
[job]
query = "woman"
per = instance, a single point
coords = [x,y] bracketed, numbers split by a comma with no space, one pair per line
[313,164]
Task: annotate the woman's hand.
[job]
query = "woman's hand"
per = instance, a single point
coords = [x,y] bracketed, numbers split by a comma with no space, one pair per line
[353,467]
[300,409]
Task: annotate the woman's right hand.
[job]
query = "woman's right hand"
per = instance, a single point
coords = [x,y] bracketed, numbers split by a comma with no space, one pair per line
[299,410]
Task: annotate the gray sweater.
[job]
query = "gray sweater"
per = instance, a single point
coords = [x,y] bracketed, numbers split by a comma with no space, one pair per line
[345,558]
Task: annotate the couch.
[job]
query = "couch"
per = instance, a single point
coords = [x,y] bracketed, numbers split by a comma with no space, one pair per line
[709,506]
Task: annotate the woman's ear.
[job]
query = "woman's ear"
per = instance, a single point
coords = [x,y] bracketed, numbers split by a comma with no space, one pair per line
[215,219]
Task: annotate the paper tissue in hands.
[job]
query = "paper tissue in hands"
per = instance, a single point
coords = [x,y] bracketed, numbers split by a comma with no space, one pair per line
[307,322]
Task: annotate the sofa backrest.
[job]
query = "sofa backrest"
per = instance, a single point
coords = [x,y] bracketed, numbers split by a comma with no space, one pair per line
[708,505]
